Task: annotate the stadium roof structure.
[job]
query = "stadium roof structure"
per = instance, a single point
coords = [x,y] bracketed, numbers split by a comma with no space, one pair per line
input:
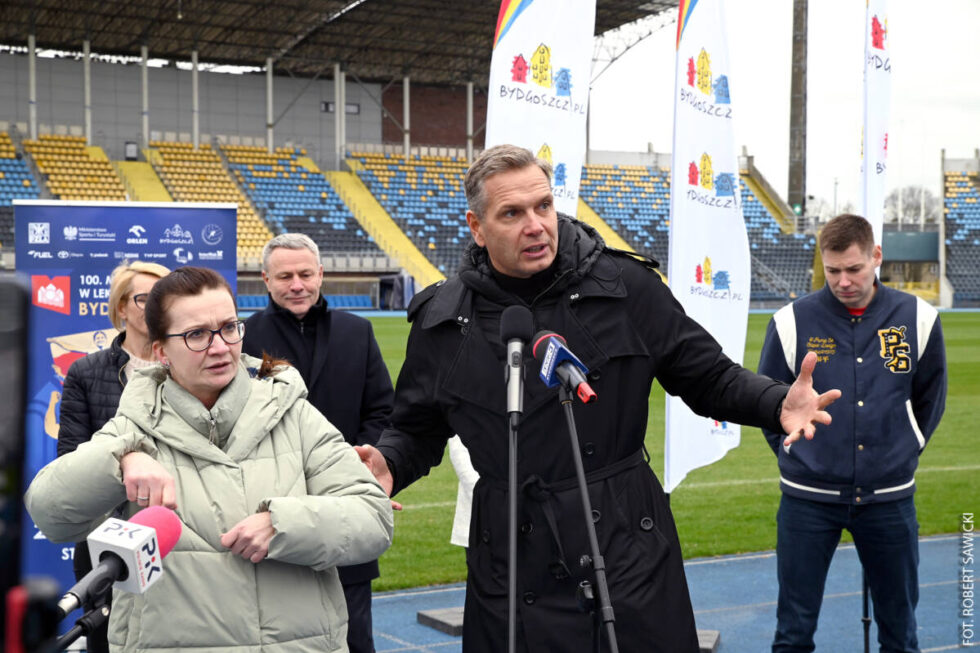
[433,41]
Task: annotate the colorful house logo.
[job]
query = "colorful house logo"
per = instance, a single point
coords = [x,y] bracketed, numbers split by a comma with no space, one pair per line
[541,66]
[518,70]
[879,32]
[717,279]
[542,71]
[700,76]
[544,152]
[559,175]
[701,173]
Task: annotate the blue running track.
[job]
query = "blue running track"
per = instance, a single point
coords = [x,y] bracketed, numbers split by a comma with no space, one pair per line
[735,595]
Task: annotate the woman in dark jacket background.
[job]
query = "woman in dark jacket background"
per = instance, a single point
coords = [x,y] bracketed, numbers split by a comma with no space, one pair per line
[95,382]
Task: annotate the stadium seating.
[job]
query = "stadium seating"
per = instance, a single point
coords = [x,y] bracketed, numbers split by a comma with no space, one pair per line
[962,209]
[789,257]
[635,201]
[197,175]
[16,182]
[71,171]
[294,198]
[424,196]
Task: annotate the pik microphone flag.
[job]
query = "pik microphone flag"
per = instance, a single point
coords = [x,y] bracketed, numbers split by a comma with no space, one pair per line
[540,74]
[709,263]
[877,106]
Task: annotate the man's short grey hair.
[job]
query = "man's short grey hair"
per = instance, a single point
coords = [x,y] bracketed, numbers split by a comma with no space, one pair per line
[497,159]
[288,241]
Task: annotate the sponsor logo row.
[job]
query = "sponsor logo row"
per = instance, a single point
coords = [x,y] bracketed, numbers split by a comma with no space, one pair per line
[39,233]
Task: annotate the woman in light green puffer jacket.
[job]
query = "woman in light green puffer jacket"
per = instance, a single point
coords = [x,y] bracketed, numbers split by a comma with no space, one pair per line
[271,498]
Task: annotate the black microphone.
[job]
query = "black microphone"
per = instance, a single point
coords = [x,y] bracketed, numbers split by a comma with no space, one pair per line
[560,365]
[128,554]
[516,325]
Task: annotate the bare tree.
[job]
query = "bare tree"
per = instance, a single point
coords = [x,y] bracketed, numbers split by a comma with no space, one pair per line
[909,203]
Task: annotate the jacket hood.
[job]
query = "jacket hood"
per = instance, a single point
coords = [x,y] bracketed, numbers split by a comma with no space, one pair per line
[579,246]
[243,415]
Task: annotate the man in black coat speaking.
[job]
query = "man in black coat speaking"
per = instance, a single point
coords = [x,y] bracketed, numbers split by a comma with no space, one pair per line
[623,322]
[339,359]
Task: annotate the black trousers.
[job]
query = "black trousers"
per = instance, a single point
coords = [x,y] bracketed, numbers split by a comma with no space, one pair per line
[360,634]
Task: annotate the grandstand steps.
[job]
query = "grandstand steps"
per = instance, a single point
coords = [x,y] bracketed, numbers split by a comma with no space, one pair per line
[591,218]
[779,209]
[375,221]
[308,163]
[142,182]
[770,278]
[44,193]
[96,153]
[244,197]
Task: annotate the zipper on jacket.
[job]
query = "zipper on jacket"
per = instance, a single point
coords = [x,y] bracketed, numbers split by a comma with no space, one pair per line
[212,430]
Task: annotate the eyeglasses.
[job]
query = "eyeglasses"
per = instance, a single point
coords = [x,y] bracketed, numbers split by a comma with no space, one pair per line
[201,339]
[140,299]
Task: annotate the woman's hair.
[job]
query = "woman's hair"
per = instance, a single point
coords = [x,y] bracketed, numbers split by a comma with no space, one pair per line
[187,281]
[271,366]
[121,286]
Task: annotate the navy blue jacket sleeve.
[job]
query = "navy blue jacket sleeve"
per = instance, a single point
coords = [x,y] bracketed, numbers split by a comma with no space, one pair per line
[929,384]
[772,363]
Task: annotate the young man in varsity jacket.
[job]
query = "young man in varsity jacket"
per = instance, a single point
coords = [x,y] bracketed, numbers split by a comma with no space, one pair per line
[884,349]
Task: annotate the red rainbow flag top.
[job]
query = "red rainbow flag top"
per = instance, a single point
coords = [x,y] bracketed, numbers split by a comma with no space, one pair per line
[685,9]
[509,11]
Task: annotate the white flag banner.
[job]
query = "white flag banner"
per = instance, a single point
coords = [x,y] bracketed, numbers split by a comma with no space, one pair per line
[877,105]
[539,86]
[709,264]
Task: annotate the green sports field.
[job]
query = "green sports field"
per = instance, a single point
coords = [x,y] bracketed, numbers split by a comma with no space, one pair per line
[728,507]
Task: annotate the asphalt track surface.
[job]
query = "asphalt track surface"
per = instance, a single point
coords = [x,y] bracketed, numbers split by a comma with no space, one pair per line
[735,595]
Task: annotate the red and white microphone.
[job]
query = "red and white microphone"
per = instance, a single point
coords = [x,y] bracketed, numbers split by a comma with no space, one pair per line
[125,554]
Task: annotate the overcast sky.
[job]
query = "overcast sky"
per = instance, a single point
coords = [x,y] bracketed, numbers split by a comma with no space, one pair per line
[935,100]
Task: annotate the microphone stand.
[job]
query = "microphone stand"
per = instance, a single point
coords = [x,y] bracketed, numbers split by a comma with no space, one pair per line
[598,563]
[84,626]
[515,418]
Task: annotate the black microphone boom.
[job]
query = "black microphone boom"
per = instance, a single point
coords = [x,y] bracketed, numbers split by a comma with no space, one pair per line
[516,326]
[94,584]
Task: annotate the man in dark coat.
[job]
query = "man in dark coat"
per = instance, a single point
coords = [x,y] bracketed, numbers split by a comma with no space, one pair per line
[624,324]
[339,359]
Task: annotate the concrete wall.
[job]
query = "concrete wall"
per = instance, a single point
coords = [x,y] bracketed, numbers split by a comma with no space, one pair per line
[438,115]
[231,105]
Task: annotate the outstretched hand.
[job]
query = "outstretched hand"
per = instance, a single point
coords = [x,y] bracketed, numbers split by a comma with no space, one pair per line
[375,462]
[803,407]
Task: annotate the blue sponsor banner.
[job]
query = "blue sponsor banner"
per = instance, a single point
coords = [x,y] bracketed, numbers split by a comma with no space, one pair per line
[66,252]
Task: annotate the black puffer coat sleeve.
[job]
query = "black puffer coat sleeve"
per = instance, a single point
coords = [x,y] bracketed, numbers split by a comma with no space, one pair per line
[75,426]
